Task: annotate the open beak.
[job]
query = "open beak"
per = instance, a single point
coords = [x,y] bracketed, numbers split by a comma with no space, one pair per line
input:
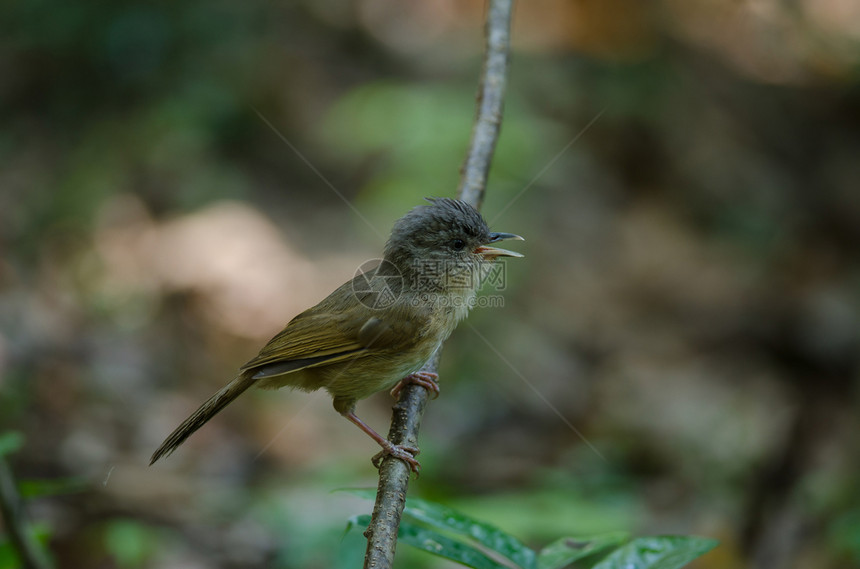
[491,253]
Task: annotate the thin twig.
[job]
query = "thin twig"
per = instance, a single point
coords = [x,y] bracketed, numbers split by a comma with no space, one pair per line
[491,96]
[406,420]
[29,552]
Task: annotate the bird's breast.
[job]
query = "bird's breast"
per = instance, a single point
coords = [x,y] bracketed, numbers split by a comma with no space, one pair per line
[453,306]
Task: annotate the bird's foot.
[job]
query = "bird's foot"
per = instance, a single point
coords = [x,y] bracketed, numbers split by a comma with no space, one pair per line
[405,453]
[426,379]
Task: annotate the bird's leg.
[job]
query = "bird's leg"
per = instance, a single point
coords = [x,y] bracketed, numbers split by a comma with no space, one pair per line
[405,453]
[426,379]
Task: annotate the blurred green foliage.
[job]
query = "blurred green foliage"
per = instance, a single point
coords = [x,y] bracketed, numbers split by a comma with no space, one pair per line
[130,543]
[427,121]
[453,535]
[9,559]
[10,441]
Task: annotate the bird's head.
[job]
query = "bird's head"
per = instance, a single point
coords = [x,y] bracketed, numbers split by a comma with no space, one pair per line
[444,243]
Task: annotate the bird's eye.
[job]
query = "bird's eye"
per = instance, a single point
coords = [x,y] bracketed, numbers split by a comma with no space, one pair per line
[458,244]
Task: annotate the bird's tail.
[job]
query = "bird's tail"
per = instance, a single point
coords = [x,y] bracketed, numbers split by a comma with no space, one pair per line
[206,411]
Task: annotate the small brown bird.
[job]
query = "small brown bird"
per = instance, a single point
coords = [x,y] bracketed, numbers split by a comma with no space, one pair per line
[375,331]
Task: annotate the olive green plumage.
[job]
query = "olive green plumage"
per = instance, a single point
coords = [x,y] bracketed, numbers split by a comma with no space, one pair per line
[378,327]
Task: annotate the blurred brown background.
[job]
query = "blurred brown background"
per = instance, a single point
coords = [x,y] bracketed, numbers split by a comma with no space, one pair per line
[179,179]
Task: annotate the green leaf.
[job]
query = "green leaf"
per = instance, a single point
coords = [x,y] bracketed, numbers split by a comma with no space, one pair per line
[352,543]
[489,536]
[422,512]
[472,543]
[10,442]
[435,543]
[360,521]
[566,550]
[366,493]
[663,552]
[443,546]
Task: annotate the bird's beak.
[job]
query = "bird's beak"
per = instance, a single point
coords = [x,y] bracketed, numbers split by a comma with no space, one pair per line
[491,253]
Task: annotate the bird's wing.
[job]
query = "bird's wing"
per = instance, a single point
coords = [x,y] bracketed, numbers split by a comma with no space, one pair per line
[313,339]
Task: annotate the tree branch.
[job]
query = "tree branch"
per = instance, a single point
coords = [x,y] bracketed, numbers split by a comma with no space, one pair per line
[491,96]
[406,419]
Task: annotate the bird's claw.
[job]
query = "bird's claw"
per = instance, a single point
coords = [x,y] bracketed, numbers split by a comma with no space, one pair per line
[405,453]
[426,379]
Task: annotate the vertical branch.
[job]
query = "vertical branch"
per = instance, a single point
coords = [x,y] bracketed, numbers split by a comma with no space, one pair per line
[491,97]
[406,420]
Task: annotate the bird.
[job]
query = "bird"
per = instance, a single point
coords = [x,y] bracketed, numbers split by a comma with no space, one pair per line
[376,331]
